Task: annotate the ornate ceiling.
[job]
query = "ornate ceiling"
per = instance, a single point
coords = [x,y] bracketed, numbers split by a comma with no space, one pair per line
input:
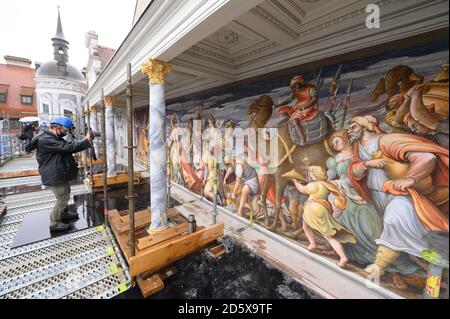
[279,34]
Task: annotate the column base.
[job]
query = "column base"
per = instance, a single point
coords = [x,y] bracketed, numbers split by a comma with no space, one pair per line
[157,231]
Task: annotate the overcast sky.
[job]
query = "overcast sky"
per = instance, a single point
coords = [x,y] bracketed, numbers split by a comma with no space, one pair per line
[27,26]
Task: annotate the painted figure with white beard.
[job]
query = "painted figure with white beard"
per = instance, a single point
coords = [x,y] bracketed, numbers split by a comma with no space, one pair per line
[409,212]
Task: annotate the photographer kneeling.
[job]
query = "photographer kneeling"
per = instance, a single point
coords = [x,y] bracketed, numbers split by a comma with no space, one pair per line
[58,167]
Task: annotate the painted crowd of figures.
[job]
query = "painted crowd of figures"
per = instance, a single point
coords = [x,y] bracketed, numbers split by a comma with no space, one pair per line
[369,196]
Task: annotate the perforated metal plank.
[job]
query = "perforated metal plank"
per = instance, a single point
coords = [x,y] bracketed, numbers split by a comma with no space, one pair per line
[20,181]
[39,194]
[34,207]
[87,264]
[11,228]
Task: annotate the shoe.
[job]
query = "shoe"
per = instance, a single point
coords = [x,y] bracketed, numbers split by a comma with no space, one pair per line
[59,227]
[69,215]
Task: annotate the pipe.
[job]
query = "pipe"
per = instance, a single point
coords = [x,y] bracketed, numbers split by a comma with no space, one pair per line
[215,190]
[83,129]
[192,224]
[77,136]
[91,162]
[131,197]
[105,163]
[169,180]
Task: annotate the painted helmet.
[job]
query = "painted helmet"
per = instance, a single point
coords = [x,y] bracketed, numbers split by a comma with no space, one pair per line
[299,79]
[63,121]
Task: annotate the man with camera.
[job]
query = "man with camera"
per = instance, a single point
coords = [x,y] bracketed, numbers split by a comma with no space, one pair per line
[58,167]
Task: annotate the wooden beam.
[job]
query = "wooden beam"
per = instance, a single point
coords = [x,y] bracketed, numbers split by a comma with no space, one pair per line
[153,240]
[168,252]
[120,179]
[150,286]
[97,162]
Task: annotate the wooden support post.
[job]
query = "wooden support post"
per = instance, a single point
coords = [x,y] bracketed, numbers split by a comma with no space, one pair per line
[168,252]
[150,286]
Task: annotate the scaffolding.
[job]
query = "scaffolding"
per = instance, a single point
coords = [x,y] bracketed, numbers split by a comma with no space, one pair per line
[9,142]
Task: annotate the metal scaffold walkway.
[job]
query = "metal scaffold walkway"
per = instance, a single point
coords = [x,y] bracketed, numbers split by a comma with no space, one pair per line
[22,204]
[86,264]
[19,181]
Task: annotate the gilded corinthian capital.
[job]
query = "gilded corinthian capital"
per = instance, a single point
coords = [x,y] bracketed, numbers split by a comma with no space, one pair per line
[109,100]
[156,71]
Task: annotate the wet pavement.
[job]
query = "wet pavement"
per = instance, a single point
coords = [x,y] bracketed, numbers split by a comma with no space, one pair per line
[35,226]
[239,274]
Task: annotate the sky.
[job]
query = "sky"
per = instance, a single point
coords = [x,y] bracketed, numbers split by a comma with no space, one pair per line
[27,26]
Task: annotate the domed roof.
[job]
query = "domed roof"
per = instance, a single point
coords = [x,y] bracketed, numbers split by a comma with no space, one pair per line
[51,69]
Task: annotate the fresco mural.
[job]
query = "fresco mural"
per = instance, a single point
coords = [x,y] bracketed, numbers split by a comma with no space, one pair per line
[362,167]
[121,133]
[141,136]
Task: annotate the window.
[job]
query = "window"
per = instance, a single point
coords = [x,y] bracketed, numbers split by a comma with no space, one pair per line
[2,97]
[26,99]
[68,113]
[45,108]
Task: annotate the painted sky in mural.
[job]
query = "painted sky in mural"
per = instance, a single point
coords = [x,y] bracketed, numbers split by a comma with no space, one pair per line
[232,103]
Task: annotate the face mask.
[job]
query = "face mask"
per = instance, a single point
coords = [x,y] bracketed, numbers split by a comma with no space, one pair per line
[61,134]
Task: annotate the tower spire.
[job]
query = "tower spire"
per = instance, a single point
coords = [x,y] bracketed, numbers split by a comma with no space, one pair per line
[59,30]
[60,46]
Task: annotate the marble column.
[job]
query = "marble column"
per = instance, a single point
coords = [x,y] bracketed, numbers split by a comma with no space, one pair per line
[110,137]
[94,128]
[157,72]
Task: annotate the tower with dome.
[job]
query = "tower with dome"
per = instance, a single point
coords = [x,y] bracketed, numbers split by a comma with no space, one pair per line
[60,86]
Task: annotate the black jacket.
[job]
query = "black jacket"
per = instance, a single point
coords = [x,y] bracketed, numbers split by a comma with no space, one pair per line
[54,155]
[28,132]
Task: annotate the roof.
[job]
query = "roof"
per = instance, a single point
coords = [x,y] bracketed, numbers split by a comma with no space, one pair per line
[16,80]
[15,58]
[51,69]
[105,54]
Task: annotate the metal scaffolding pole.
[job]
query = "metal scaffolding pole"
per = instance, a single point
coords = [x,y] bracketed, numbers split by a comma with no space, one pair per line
[84,130]
[131,196]
[91,150]
[105,163]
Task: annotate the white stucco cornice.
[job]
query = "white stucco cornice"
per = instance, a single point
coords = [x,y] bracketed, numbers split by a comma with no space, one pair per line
[165,30]
[50,83]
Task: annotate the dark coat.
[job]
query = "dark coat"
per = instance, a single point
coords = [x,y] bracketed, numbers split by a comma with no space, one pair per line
[54,155]
[28,132]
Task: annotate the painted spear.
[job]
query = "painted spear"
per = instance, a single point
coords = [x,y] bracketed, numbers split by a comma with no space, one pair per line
[318,77]
[347,102]
[334,88]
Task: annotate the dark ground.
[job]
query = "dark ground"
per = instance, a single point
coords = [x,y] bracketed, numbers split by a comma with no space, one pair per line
[239,274]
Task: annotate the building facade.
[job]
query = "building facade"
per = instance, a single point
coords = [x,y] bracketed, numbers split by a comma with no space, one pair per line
[99,57]
[17,90]
[60,87]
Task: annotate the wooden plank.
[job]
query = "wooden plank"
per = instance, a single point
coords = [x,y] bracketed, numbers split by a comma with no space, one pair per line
[120,179]
[171,251]
[97,162]
[150,286]
[217,250]
[26,173]
[125,218]
[153,240]
[142,219]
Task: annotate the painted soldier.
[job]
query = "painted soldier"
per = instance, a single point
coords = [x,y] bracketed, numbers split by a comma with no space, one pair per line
[303,107]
